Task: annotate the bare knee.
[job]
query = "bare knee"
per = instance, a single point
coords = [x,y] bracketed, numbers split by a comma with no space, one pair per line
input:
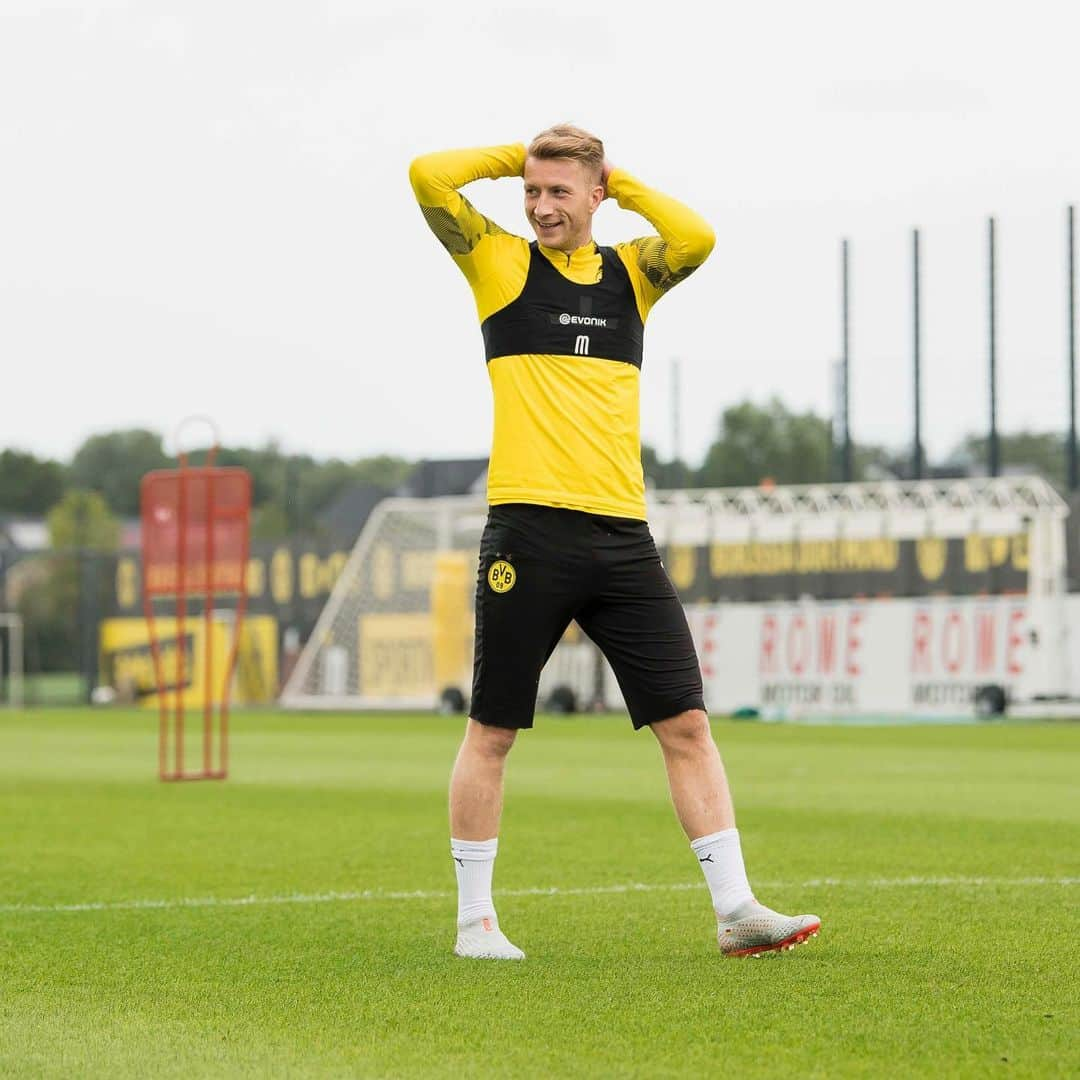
[488,741]
[686,733]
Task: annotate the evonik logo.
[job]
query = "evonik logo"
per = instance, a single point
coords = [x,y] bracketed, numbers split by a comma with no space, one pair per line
[565,319]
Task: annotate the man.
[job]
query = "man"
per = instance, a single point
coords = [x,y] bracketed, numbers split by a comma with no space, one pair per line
[566,536]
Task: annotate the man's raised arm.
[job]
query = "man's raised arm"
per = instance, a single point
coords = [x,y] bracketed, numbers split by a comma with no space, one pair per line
[435,179]
[684,242]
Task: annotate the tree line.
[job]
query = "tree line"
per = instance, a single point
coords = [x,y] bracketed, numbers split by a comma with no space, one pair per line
[288,490]
[752,442]
[756,442]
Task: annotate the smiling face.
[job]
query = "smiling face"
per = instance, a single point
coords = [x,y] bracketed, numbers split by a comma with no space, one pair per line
[561,196]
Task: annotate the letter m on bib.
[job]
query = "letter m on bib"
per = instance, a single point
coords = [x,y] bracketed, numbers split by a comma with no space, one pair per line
[581,346]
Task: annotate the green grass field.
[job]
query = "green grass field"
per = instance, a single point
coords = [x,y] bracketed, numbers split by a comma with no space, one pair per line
[297,920]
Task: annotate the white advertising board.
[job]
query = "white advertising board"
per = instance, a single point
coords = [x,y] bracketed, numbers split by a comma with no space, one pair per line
[873,657]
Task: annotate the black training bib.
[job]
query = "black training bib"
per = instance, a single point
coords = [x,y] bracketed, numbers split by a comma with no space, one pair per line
[557,317]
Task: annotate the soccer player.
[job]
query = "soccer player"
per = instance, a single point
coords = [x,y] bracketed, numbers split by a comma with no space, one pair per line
[566,536]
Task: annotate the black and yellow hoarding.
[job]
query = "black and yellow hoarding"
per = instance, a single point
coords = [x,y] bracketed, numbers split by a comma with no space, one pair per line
[838,569]
[292,581]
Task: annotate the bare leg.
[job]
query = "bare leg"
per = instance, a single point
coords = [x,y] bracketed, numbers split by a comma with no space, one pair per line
[476,784]
[699,787]
[702,801]
[476,798]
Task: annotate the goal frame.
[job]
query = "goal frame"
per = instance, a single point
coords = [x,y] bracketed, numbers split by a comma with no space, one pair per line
[16,674]
[444,507]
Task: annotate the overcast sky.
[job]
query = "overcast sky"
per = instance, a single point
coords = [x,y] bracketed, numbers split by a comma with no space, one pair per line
[204,207]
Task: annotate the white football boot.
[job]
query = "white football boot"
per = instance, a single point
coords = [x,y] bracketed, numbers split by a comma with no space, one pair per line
[482,939]
[752,929]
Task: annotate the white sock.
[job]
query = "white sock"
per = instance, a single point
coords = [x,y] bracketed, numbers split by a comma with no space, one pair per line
[474,862]
[720,856]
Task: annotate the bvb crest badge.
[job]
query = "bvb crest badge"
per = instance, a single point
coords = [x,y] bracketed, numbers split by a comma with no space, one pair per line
[502,576]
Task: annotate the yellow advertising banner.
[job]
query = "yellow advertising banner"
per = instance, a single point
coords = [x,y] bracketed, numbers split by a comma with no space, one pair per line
[397,655]
[452,618]
[126,660]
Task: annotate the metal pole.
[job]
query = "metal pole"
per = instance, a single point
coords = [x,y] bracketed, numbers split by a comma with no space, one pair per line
[182,516]
[836,421]
[208,622]
[917,449]
[676,448]
[1070,450]
[847,456]
[15,675]
[90,620]
[993,449]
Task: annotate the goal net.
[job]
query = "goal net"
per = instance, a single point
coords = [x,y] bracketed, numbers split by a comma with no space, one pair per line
[397,631]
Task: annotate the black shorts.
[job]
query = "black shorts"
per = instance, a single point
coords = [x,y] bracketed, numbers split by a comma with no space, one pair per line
[540,568]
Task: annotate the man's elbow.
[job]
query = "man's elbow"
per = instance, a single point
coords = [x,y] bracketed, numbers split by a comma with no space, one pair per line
[700,245]
[420,174]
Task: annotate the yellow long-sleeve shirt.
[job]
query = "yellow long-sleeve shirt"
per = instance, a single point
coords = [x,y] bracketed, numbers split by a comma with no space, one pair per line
[567,428]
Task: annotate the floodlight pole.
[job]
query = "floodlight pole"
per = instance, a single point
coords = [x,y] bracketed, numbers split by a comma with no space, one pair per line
[993,449]
[676,422]
[1070,451]
[917,448]
[846,454]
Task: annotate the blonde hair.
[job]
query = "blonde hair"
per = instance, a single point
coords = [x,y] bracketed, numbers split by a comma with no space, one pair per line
[567,141]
